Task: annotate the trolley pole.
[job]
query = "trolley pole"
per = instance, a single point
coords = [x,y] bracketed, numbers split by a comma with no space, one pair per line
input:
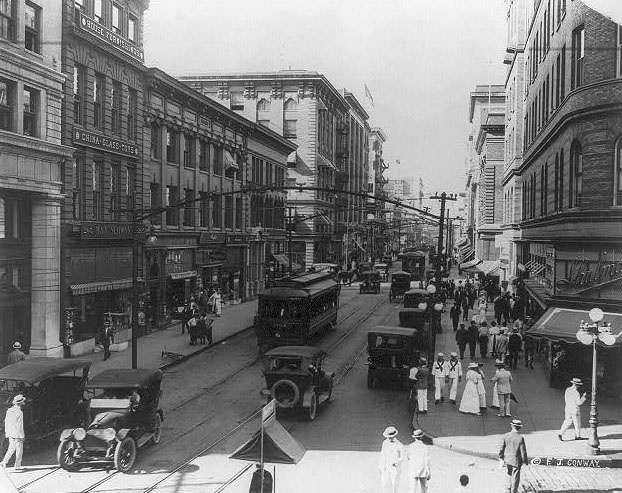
[443,197]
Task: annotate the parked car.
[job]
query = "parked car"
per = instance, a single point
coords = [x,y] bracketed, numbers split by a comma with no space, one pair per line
[296,380]
[124,415]
[53,389]
[392,352]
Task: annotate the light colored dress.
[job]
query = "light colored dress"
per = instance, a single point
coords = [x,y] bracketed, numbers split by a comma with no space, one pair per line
[481,390]
[470,396]
[482,310]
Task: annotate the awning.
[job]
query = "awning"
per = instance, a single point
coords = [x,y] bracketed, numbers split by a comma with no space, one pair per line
[284,260]
[562,324]
[279,447]
[536,269]
[292,158]
[230,162]
[486,267]
[463,242]
[183,275]
[98,287]
[470,263]
[325,218]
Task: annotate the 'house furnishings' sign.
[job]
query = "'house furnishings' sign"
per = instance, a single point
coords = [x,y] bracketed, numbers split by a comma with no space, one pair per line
[96,141]
[107,36]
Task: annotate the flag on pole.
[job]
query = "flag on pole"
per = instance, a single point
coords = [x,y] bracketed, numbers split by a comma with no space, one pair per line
[368,95]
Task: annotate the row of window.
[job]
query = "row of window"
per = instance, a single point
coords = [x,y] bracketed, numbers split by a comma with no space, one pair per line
[106,104]
[266,173]
[111,15]
[32,23]
[10,113]
[92,181]
[267,212]
[541,40]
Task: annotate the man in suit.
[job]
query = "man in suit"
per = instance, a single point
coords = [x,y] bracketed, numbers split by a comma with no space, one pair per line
[418,464]
[504,389]
[572,412]
[391,455]
[513,455]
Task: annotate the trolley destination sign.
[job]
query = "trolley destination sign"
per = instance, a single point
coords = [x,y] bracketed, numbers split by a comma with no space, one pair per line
[107,36]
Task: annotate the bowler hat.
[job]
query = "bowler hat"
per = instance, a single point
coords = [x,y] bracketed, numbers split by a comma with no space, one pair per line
[418,434]
[19,399]
[576,381]
[17,345]
[390,432]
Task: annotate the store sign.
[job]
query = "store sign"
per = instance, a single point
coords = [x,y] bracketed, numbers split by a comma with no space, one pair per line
[96,141]
[237,239]
[212,238]
[112,231]
[178,261]
[583,273]
[107,36]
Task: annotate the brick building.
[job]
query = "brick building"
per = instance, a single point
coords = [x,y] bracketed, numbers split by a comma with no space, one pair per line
[102,58]
[31,160]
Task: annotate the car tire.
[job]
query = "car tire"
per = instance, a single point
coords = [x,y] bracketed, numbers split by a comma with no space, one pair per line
[157,429]
[65,457]
[125,454]
[311,411]
[290,403]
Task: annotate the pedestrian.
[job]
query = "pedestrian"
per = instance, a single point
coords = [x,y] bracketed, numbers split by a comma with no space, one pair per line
[462,337]
[495,394]
[493,333]
[504,389]
[185,318]
[483,339]
[14,431]
[261,475]
[16,355]
[464,485]
[515,344]
[498,306]
[507,307]
[106,336]
[420,377]
[218,303]
[454,314]
[513,455]
[469,403]
[391,456]
[482,306]
[529,347]
[502,343]
[209,329]
[438,370]
[418,464]
[193,328]
[453,370]
[465,307]
[572,412]
[473,336]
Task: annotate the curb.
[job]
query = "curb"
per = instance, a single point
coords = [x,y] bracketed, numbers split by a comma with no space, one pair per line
[185,357]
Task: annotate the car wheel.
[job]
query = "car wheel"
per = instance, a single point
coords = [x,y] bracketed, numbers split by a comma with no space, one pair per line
[65,456]
[157,429]
[312,409]
[286,393]
[125,454]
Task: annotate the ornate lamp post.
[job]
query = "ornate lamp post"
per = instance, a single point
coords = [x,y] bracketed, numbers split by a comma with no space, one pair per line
[590,334]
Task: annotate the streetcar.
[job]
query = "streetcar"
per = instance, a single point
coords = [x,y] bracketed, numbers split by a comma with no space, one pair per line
[296,309]
[415,264]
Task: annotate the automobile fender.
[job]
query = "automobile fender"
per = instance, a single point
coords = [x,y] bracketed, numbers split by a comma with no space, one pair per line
[306,399]
[66,434]
[122,433]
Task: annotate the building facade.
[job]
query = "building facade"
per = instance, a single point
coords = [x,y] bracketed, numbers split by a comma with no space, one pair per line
[31,163]
[327,127]
[103,60]
[376,217]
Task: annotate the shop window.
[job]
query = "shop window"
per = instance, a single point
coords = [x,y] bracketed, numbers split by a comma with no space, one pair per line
[31,108]
[188,207]
[578,57]
[172,212]
[117,19]
[7,19]
[79,93]
[132,110]
[98,101]
[117,93]
[131,28]
[204,155]
[172,146]
[617,180]
[154,202]
[7,104]
[204,209]
[32,34]
[156,141]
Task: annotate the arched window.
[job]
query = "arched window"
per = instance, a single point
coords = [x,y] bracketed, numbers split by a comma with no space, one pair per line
[263,105]
[290,105]
[617,178]
[575,188]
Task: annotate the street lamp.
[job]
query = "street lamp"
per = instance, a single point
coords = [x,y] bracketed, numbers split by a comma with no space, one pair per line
[590,334]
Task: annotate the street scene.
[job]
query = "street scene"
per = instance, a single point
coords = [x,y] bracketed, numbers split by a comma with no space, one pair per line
[274,246]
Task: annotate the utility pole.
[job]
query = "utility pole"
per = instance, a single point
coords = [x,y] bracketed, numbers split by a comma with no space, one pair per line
[443,197]
[290,226]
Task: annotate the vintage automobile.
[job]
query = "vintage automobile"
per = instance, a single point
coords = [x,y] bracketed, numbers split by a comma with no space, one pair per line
[417,308]
[124,414]
[370,282]
[53,389]
[387,259]
[392,352]
[296,380]
[384,271]
[400,283]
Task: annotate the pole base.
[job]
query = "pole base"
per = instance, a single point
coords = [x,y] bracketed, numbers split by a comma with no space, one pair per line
[593,450]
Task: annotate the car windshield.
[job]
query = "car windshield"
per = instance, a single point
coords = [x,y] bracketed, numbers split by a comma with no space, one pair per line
[388,342]
[283,363]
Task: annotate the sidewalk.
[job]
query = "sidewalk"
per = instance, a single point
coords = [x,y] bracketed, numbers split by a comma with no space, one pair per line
[234,319]
[540,408]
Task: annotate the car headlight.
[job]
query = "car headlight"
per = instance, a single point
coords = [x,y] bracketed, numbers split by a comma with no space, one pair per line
[109,434]
[79,434]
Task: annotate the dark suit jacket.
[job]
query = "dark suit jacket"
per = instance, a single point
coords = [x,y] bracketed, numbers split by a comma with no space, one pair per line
[513,450]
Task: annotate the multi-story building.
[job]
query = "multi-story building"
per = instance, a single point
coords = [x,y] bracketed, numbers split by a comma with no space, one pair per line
[376,220]
[329,129]
[201,159]
[31,163]
[517,15]
[102,57]
[485,171]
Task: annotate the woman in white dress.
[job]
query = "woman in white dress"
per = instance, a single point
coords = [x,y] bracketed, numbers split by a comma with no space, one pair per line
[470,397]
[481,390]
[482,306]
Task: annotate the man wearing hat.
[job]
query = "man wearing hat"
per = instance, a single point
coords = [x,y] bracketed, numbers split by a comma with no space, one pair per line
[504,389]
[454,373]
[572,413]
[16,355]
[422,377]
[439,373]
[513,455]
[14,431]
[418,464]
[391,455]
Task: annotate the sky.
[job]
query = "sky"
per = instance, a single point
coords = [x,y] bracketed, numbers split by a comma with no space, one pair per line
[419,59]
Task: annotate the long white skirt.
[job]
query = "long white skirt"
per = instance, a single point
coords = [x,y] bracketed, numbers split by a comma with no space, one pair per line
[470,399]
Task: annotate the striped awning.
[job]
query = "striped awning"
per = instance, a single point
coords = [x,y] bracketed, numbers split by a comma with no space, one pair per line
[99,286]
[470,263]
[536,269]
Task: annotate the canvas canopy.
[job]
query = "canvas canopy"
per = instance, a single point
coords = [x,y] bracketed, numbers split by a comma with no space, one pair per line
[279,447]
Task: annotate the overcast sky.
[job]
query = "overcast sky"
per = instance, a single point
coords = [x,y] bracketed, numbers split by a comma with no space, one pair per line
[419,58]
